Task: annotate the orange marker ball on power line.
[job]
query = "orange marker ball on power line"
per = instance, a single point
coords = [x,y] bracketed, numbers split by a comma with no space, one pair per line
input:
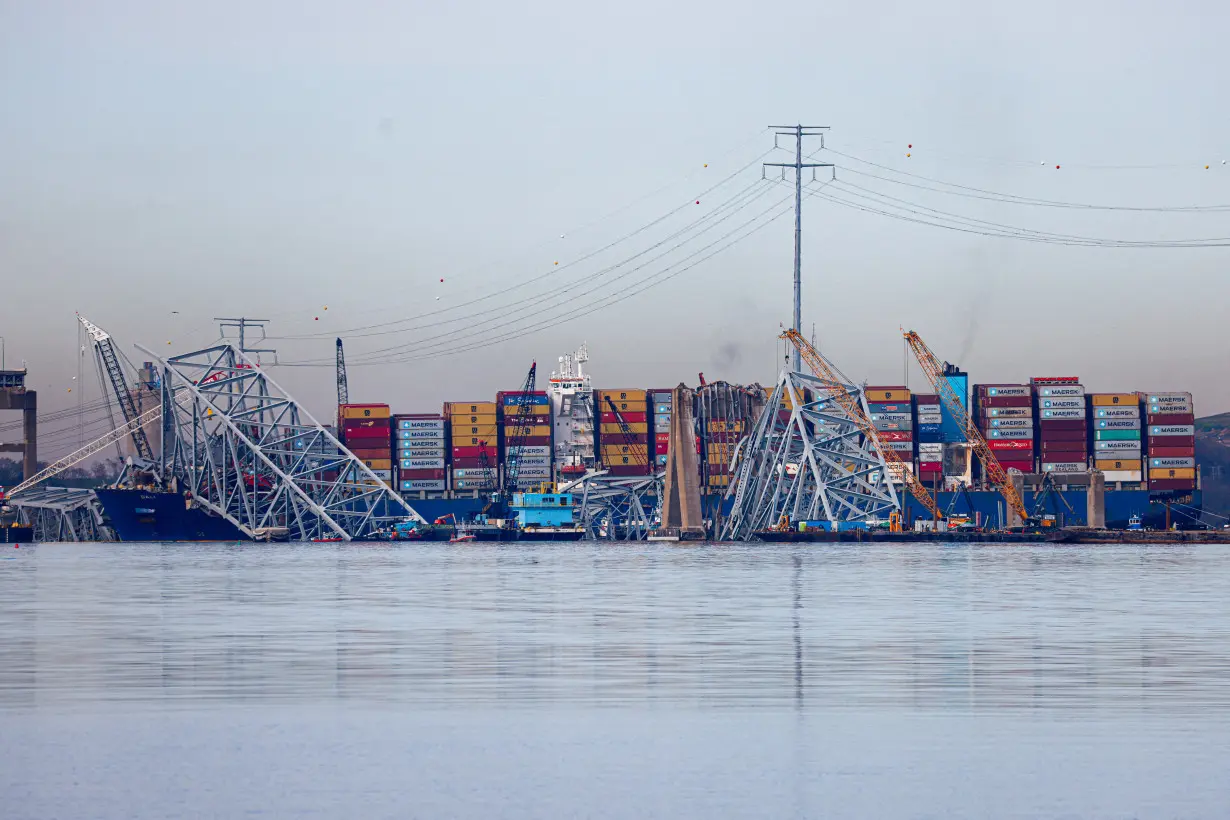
[907,155]
[1056,167]
[911,145]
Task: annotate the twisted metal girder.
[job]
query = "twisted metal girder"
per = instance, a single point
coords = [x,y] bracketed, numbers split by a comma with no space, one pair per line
[244,449]
[622,505]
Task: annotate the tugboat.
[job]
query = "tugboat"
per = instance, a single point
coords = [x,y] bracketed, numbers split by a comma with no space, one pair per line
[545,515]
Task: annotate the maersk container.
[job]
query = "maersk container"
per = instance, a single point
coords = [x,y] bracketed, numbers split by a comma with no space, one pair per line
[1012,424]
[1117,424]
[421,464]
[1172,430]
[1004,390]
[422,452]
[898,417]
[1010,434]
[1167,463]
[1116,435]
[434,423]
[419,435]
[930,419]
[1118,447]
[1067,391]
[1063,414]
[1062,404]
[1008,413]
[533,462]
[420,485]
[1064,467]
[475,472]
[1117,412]
[900,446]
[534,452]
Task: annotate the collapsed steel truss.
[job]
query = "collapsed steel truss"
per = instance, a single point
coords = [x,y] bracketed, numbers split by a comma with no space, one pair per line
[810,464]
[241,447]
[617,508]
[63,514]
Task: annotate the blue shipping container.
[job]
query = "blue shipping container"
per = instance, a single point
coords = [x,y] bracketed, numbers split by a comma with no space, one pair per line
[515,400]
[951,429]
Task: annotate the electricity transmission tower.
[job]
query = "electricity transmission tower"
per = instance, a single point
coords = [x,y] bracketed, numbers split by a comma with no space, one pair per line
[798,132]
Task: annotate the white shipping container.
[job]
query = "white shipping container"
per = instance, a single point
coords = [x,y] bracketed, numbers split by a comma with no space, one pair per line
[384,475]
[931,447]
[1008,412]
[420,424]
[1122,475]
[1062,404]
[930,418]
[900,446]
[1118,424]
[1172,429]
[1167,463]
[1063,414]
[421,463]
[1010,391]
[1170,399]
[533,462]
[417,484]
[1170,409]
[420,434]
[891,417]
[1064,467]
[1066,391]
[1117,412]
[470,484]
[1012,424]
[532,452]
[474,472]
[1012,434]
[1118,447]
[421,452]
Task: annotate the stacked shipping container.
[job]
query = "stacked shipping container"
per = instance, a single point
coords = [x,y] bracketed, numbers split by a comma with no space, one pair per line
[364,429]
[1062,425]
[1114,420]
[623,456]
[474,443]
[532,430]
[1171,419]
[892,415]
[928,417]
[662,403]
[421,453]
[1005,416]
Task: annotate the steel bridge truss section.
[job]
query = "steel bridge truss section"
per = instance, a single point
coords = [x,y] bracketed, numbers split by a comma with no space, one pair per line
[62,514]
[245,450]
[617,508]
[812,465]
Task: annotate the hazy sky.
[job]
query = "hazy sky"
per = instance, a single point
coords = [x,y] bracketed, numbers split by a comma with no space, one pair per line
[270,159]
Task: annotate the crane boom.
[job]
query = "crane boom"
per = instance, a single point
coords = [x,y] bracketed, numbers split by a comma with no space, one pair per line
[105,348]
[820,366]
[934,372]
[520,431]
[343,388]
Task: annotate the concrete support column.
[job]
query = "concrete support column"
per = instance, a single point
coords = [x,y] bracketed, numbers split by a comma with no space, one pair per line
[30,429]
[1095,500]
[681,511]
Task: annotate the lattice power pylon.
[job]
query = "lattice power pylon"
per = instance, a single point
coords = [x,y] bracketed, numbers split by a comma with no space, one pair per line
[813,465]
[241,447]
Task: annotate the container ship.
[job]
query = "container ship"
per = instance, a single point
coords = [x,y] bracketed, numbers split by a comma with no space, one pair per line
[448,463]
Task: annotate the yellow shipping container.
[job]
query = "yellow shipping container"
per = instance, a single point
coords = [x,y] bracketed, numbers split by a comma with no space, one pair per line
[379,464]
[1113,465]
[623,449]
[1115,400]
[727,426]
[1173,472]
[364,411]
[488,432]
[473,419]
[617,396]
[625,461]
[880,395]
[719,480]
[635,428]
[469,408]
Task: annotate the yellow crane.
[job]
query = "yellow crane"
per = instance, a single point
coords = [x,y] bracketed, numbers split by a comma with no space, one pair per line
[995,472]
[824,371]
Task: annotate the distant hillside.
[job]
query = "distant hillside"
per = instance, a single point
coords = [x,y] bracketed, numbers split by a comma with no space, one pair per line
[1213,456]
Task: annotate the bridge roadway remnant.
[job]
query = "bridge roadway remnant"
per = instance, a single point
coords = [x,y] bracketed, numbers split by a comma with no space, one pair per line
[15,396]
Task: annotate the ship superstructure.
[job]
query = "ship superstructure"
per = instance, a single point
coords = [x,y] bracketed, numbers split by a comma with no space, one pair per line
[571,394]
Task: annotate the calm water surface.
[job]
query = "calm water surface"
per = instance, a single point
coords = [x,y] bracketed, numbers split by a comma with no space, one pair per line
[336,681]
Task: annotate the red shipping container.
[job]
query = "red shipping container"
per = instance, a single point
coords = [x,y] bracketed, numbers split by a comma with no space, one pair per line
[930,467]
[1011,444]
[355,424]
[1172,441]
[1078,434]
[1005,401]
[1178,418]
[367,454]
[526,421]
[475,452]
[530,441]
[1062,447]
[629,418]
[1171,452]
[366,433]
[421,474]
[662,438]
[471,463]
[1061,424]
[896,435]
[1172,484]
[628,469]
[1023,466]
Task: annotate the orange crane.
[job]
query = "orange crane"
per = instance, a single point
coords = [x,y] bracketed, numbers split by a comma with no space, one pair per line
[934,371]
[824,371]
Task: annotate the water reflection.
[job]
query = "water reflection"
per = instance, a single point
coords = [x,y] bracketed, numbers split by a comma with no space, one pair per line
[963,627]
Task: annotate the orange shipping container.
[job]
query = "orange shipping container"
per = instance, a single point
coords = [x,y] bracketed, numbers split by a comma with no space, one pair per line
[363,411]
[880,395]
[621,395]
[469,408]
[1114,465]
[488,432]
[1173,472]
[1115,400]
[640,428]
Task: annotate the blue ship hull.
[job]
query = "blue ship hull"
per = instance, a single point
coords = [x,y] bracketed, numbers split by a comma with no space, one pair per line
[142,516]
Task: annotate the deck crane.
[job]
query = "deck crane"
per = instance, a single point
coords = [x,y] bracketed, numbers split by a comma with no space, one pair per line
[104,347]
[841,394]
[934,371]
[514,442]
[639,452]
[343,389]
